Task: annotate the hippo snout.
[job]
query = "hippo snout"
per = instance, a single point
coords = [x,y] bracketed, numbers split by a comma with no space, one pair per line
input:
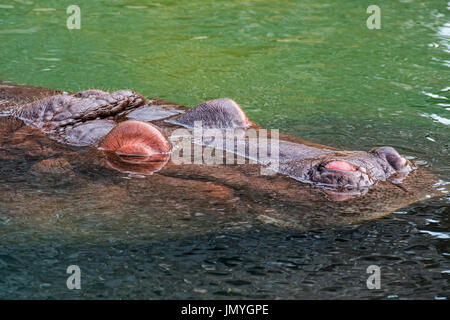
[339,174]
[361,170]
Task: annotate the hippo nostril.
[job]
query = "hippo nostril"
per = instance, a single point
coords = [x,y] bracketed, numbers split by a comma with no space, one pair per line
[340,165]
[392,157]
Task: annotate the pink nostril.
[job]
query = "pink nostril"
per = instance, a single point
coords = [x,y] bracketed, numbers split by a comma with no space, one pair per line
[340,165]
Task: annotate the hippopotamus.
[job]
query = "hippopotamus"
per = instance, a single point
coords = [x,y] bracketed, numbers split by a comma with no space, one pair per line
[161,146]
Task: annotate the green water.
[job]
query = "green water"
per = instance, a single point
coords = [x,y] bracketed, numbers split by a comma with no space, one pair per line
[309,68]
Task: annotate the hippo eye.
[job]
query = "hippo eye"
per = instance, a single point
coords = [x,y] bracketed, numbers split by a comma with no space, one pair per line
[223,113]
[136,146]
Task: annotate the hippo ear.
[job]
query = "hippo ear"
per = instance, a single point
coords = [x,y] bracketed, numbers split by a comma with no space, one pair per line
[221,113]
[136,146]
[90,94]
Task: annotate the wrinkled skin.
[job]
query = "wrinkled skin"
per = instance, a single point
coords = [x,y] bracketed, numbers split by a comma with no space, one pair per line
[92,132]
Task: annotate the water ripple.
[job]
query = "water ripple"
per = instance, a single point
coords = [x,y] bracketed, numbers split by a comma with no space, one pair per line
[438,235]
[437,118]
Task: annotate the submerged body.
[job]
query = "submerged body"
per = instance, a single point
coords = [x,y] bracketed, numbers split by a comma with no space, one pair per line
[128,133]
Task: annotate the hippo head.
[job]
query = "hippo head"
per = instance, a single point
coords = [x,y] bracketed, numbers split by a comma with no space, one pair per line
[97,118]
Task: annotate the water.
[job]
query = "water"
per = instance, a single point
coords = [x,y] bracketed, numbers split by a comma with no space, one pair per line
[311,69]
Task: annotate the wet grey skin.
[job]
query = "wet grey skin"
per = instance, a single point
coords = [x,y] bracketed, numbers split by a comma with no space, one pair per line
[86,117]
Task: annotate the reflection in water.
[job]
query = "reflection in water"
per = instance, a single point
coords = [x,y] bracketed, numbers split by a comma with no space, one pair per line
[139,164]
[234,261]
